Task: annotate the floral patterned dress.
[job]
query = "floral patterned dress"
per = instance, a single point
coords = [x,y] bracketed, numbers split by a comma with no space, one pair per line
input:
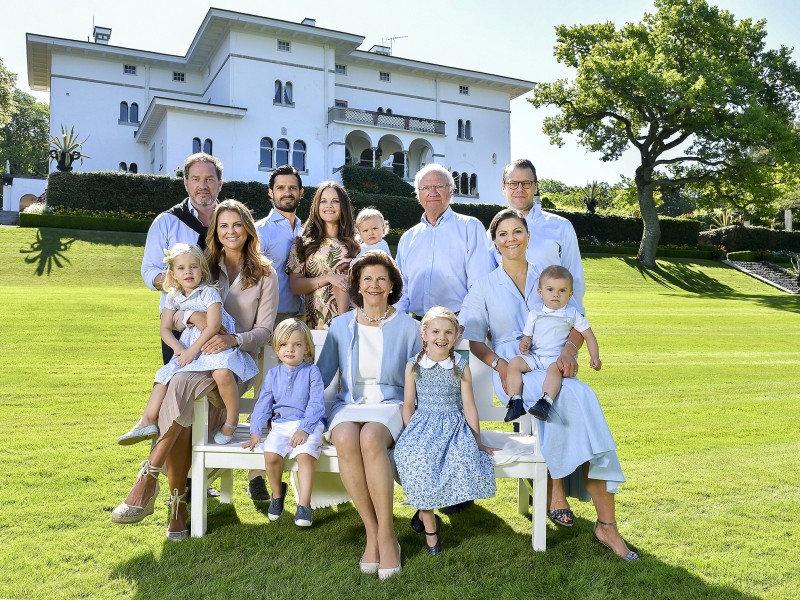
[330,258]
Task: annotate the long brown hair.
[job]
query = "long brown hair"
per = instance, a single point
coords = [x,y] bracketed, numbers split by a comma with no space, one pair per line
[255,265]
[313,234]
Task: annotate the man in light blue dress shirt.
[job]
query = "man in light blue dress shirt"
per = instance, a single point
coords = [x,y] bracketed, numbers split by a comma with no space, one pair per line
[277,231]
[553,239]
[442,256]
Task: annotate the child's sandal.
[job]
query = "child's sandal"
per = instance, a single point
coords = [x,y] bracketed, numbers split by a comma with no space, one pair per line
[222,439]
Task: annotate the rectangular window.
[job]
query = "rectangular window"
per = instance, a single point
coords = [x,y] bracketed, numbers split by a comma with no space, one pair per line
[340,103]
[178,76]
[341,69]
[385,76]
[463,89]
[129,69]
[284,46]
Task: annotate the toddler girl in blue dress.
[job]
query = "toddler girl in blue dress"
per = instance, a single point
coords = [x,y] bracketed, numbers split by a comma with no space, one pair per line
[439,456]
[187,282]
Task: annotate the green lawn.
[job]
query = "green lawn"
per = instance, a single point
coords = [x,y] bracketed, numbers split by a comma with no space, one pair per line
[699,384]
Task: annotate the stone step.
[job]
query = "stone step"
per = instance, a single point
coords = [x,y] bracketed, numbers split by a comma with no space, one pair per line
[9,217]
[769,273]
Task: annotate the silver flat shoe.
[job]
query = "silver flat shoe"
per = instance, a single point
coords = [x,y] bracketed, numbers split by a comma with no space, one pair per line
[174,502]
[138,434]
[126,513]
[368,568]
[384,574]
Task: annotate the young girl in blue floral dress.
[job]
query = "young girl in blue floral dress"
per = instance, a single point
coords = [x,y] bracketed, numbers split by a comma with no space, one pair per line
[187,280]
[439,456]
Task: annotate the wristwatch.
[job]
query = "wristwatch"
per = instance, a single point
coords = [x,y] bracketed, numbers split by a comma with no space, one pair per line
[495,362]
[238,337]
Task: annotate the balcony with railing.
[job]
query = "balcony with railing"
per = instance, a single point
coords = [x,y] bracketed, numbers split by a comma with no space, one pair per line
[356,116]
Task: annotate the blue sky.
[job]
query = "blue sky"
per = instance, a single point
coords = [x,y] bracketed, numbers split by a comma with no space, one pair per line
[516,41]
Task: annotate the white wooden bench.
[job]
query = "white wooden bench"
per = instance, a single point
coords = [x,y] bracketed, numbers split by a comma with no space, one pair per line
[519,459]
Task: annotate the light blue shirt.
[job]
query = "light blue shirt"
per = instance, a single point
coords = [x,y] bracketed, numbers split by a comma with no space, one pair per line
[165,231]
[382,246]
[275,236]
[440,262]
[291,394]
[553,242]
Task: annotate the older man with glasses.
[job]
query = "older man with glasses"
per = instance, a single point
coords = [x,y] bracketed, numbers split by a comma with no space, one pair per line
[553,239]
[445,253]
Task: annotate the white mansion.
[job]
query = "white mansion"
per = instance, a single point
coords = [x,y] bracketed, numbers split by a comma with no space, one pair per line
[260,92]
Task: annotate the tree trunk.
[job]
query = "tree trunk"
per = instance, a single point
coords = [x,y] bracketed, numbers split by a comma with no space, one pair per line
[651,230]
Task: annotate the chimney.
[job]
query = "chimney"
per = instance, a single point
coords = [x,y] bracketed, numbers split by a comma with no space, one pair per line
[101,34]
[309,22]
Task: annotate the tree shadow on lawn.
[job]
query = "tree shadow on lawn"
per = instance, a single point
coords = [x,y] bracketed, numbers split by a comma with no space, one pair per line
[51,246]
[674,275]
[279,560]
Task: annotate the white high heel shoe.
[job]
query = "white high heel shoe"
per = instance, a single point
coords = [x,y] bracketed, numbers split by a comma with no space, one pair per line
[384,574]
[126,513]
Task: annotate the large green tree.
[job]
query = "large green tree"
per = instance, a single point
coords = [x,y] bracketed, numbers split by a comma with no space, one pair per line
[692,90]
[24,139]
[7,81]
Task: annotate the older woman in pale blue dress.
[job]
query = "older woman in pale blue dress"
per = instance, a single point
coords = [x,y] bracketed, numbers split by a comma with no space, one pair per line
[576,441]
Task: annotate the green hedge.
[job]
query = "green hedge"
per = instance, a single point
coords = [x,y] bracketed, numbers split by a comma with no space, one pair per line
[375,181]
[707,254]
[152,194]
[744,256]
[739,237]
[82,222]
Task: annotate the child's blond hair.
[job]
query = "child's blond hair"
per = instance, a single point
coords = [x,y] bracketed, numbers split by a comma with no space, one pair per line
[437,312]
[556,272]
[170,284]
[370,213]
[285,329]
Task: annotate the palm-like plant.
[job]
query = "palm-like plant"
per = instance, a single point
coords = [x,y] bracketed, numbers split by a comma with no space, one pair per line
[66,149]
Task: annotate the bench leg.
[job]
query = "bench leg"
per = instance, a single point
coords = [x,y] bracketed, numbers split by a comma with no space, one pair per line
[538,519]
[524,493]
[199,499]
[226,486]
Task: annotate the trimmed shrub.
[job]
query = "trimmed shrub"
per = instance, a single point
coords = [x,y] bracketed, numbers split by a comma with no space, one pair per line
[744,256]
[739,237]
[375,181]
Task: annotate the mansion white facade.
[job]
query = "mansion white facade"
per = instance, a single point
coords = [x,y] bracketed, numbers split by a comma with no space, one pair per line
[259,92]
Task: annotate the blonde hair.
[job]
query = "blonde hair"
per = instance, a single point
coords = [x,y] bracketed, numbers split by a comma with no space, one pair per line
[437,312]
[556,272]
[370,213]
[285,329]
[170,284]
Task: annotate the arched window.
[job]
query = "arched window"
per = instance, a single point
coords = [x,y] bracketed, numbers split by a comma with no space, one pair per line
[123,167]
[134,113]
[473,185]
[388,111]
[457,181]
[278,91]
[133,168]
[380,109]
[123,112]
[468,130]
[461,128]
[282,153]
[265,160]
[208,146]
[287,93]
[299,156]
[464,184]
[196,145]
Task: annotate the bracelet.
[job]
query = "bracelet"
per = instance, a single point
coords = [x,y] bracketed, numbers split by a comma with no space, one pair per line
[571,343]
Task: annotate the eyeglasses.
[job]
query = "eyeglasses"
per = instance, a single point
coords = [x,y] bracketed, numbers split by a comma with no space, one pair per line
[526,185]
[440,187]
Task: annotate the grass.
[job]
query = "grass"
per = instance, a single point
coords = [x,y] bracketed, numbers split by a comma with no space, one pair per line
[699,385]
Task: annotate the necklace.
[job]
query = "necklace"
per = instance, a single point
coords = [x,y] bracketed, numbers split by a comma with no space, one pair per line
[378,319]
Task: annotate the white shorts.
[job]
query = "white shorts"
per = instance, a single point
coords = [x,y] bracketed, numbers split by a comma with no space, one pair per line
[277,440]
[536,362]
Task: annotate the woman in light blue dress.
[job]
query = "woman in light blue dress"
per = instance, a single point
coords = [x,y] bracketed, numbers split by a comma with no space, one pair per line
[575,440]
